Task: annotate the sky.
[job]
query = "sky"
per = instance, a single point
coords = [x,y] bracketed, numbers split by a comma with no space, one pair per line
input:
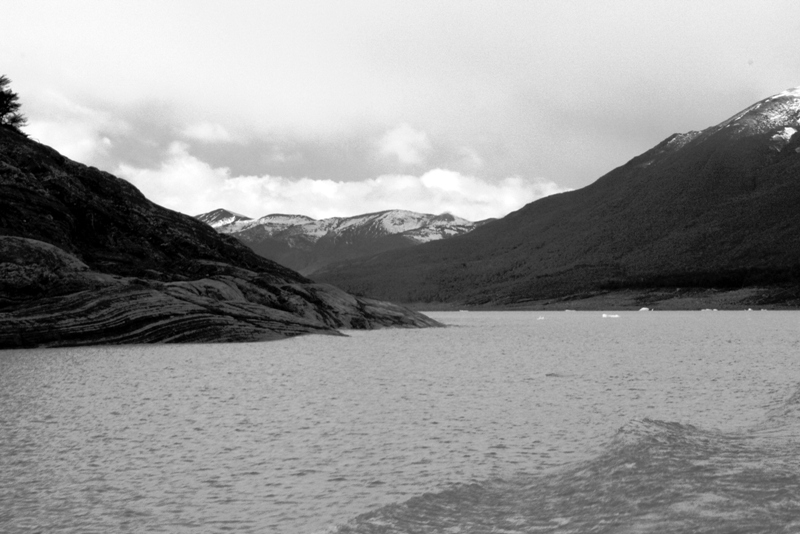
[336,108]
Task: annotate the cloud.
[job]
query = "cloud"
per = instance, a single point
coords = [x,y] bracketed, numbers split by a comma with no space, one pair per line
[208,133]
[79,132]
[192,175]
[536,88]
[187,184]
[408,145]
[91,132]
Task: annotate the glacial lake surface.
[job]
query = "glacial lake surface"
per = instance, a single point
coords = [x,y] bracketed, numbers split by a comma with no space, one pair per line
[508,422]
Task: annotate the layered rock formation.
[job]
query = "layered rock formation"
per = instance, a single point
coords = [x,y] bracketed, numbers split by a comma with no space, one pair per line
[85,258]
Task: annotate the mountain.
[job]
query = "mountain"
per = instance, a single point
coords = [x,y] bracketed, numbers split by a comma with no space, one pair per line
[306,244]
[85,258]
[222,218]
[715,208]
[236,223]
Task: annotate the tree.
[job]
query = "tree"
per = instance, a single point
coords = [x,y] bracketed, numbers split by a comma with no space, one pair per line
[9,107]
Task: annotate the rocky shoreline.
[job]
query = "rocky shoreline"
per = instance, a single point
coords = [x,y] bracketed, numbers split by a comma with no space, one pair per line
[50,298]
[86,259]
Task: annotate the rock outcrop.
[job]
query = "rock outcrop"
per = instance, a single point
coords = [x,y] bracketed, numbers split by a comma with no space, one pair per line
[85,258]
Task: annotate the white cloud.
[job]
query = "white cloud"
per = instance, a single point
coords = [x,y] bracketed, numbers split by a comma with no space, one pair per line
[533,88]
[408,145]
[185,183]
[76,131]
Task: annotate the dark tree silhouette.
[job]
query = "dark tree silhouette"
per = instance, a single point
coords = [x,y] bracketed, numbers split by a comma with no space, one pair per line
[9,106]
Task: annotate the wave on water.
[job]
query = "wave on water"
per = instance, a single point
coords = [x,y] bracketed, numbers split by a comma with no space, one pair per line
[653,476]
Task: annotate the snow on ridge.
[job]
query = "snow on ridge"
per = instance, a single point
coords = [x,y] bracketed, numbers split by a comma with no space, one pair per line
[232,226]
[779,110]
[421,227]
[239,215]
[781,107]
[436,233]
[399,221]
[391,221]
[282,218]
[782,138]
[224,221]
[318,228]
[679,140]
[786,133]
[450,221]
[221,214]
[794,92]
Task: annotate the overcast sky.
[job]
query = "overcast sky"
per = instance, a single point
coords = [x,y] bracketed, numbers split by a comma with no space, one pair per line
[339,108]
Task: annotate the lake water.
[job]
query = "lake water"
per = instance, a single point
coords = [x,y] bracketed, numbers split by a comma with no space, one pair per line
[503,422]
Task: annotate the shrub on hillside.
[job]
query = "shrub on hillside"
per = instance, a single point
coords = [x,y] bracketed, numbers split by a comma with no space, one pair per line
[10,117]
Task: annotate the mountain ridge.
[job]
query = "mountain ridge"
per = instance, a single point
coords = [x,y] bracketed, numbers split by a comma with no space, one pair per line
[714,207]
[222,217]
[307,244]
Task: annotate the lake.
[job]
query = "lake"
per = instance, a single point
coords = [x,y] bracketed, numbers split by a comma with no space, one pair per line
[504,421]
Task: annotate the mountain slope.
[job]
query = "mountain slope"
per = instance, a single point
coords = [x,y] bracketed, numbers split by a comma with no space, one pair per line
[715,208]
[222,218]
[85,258]
[306,244]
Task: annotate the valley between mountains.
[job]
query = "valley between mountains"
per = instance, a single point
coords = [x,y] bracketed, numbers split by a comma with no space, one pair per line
[705,219]
[307,245]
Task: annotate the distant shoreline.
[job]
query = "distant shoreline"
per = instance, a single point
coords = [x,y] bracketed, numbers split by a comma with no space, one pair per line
[755,298]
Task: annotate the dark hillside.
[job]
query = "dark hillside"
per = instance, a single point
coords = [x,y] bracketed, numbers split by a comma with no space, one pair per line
[85,258]
[705,209]
[106,221]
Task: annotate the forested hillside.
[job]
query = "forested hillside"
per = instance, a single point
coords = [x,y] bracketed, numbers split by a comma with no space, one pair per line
[715,208]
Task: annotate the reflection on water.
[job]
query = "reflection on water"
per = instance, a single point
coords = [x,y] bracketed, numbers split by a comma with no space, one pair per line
[650,422]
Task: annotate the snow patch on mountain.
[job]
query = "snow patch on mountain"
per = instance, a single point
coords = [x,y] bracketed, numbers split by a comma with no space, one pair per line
[780,110]
[280,218]
[274,223]
[397,222]
[418,227]
[782,138]
[222,218]
[793,92]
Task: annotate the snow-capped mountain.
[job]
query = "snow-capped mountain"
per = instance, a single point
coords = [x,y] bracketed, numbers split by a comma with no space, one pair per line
[305,244]
[779,112]
[776,117]
[221,218]
[418,227]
